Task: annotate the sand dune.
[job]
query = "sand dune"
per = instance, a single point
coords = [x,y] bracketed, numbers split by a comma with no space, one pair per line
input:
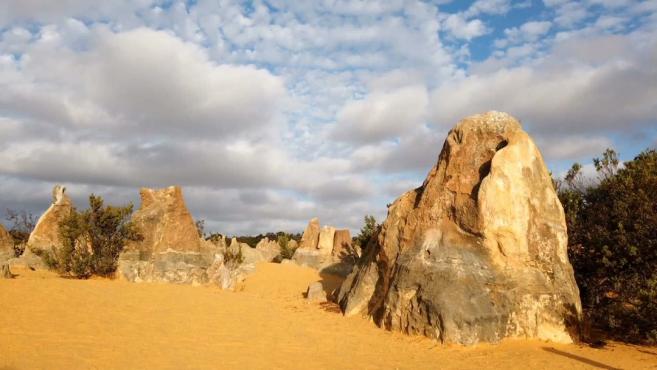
[48,322]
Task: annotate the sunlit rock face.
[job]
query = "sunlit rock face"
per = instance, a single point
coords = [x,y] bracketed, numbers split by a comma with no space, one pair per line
[478,252]
[171,249]
[325,249]
[45,236]
[310,238]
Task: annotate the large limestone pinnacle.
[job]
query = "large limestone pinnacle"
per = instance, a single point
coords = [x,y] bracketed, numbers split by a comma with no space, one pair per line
[45,235]
[478,253]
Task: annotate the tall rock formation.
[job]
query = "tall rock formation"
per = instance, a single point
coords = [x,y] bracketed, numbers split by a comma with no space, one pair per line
[478,252]
[342,247]
[323,256]
[45,235]
[326,236]
[310,238]
[6,245]
[171,249]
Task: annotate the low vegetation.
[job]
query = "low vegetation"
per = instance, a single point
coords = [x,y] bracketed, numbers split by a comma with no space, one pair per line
[368,231]
[93,239]
[287,251]
[612,232]
[22,224]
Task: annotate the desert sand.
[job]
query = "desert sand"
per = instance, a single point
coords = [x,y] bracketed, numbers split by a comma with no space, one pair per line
[47,322]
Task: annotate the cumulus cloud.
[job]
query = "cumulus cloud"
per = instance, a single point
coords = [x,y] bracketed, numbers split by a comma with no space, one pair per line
[458,26]
[558,95]
[382,115]
[272,113]
[144,82]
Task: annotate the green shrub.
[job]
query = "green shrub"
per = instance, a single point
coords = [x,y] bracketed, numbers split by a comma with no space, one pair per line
[366,232]
[93,239]
[286,251]
[612,232]
[233,258]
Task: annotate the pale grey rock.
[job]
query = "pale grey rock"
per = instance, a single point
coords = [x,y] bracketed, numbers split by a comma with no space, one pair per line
[269,249]
[315,292]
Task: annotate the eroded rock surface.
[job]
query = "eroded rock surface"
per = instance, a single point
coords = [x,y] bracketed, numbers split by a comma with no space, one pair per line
[310,237]
[6,245]
[269,249]
[45,236]
[325,257]
[171,249]
[478,252]
[342,247]
[326,236]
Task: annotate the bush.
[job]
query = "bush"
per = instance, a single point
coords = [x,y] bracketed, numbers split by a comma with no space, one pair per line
[93,239]
[612,232]
[366,232]
[22,224]
[286,251]
[233,258]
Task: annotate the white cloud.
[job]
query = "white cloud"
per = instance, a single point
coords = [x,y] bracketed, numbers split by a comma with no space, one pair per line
[496,7]
[142,81]
[269,114]
[573,148]
[527,32]
[459,27]
[382,115]
[561,93]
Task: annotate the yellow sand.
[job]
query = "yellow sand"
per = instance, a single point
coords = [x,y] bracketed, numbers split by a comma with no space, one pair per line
[53,323]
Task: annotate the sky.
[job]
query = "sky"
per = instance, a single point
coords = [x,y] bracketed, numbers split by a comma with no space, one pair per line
[269,113]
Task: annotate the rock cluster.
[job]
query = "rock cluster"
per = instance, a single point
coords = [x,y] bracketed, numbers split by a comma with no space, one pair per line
[269,249]
[171,249]
[325,249]
[478,252]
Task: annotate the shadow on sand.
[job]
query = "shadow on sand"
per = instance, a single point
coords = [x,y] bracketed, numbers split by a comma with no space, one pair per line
[580,359]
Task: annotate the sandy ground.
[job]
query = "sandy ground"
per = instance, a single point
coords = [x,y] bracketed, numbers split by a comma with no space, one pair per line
[48,322]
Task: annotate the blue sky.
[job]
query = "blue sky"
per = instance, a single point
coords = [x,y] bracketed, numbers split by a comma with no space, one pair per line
[269,113]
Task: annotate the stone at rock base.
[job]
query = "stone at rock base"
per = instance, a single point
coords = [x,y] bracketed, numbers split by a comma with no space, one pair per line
[27,260]
[5,272]
[315,292]
[321,261]
[310,237]
[478,252]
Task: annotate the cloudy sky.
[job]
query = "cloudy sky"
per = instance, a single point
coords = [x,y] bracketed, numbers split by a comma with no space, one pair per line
[271,112]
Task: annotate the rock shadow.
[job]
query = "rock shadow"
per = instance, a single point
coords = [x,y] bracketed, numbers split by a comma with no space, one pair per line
[580,359]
